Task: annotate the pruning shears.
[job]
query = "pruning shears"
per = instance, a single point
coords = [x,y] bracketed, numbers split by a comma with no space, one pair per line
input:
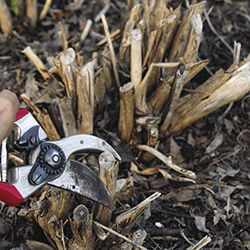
[47,162]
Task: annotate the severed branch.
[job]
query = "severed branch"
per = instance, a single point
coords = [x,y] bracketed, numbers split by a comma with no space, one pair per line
[103,78]
[161,94]
[66,67]
[81,226]
[174,96]
[31,12]
[111,48]
[108,174]
[134,17]
[62,36]
[120,235]
[184,34]
[203,242]
[167,160]
[136,57]
[142,107]
[37,62]
[65,112]
[5,18]
[125,221]
[126,118]
[85,97]
[45,9]
[43,118]
[219,90]
[86,30]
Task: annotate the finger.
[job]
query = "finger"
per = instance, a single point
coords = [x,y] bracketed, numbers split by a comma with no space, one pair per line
[9,105]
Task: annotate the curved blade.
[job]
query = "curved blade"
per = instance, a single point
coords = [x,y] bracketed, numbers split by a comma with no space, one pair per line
[83,142]
[80,179]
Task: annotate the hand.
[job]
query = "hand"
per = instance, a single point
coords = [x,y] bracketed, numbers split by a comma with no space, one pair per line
[9,105]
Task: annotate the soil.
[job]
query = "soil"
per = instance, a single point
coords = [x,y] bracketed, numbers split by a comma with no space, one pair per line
[218,204]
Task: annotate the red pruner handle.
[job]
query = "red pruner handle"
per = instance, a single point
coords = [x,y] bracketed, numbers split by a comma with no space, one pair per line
[21,113]
[9,194]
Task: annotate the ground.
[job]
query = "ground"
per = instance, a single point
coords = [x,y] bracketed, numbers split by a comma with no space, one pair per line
[218,204]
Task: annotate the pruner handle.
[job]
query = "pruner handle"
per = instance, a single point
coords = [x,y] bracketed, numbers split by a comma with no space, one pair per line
[9,194]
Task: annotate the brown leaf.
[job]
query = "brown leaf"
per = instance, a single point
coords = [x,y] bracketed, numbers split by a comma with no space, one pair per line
[182,194]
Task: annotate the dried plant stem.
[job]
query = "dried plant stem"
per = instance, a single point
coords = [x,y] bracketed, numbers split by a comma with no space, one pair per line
[220,89]
[125,221]
[31,12]
[103,79]
[182,38]
[85,98]
[203,242]
[236,54]
[81,226]
[134,17]
[174,96]
[111,49]
[136,57]
[167,160]
[108,174]
[120,235]
[66,115]
[147,16]
[62,37]
[43,118]
[103,11]
[142,106]
[50,89]
[160,95]
[126,118]
[67,67]
[45,9]
[159,41]
[5,18]
[37,62]
[86,30]
[113,36]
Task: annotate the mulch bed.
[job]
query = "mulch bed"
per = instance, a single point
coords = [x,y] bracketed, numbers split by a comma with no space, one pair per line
[217,205]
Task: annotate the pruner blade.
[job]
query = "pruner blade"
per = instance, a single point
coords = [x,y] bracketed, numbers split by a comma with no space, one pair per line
[80,179]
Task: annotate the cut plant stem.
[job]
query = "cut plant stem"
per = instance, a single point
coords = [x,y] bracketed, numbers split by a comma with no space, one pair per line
[126,118]
[203,242]
[81,226]
[142,107]
[136,57]
[45,9]
[119,235]
[85,97]
[62,37]
[66,67]
[37,62]
[108,174]
[174,96]
[125,221]
[219,90]
[31,12]
[86,30]
[134,17]
[5,18]
[167,160]
[111,49]
[161,94]
[43,118]
[113,36]
[66,115]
